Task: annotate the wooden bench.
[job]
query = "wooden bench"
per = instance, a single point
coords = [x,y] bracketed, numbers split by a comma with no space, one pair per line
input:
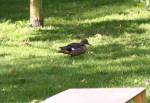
[99,95]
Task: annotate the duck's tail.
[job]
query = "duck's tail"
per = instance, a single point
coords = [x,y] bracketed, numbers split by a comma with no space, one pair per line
[63,51]
[60,51]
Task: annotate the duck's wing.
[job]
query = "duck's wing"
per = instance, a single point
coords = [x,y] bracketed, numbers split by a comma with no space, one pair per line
[71,46]
[78,51]
[74,52]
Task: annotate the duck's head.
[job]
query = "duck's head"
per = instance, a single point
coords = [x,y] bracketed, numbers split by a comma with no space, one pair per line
[84,41]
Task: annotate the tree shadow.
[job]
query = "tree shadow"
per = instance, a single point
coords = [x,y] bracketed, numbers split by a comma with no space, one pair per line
[38,77]
[113,28]
[14,10]
[66,9]
[116,51]
[70,9]
[4,54]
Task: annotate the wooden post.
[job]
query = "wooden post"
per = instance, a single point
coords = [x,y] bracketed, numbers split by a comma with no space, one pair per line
[36,17]
[141,98]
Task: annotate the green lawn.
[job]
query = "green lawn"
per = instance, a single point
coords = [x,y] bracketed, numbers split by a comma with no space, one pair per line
[31,69]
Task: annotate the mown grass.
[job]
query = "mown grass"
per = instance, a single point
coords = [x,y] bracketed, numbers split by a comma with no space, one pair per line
[31,69]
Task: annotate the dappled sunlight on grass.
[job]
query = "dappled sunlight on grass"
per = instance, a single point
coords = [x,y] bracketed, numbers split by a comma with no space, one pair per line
[32,68]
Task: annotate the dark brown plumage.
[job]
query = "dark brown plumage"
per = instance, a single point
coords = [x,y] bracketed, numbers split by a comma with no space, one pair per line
[75,49]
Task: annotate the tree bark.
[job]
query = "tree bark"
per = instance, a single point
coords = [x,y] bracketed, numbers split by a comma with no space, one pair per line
[36,17]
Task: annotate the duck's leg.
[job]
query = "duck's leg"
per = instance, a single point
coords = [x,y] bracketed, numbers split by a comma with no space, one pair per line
[71,55]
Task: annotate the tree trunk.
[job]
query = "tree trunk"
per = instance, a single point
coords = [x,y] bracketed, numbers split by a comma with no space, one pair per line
[36,17]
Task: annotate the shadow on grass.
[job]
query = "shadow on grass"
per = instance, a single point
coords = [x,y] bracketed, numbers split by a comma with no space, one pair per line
[118,51]
[4,54]
[66,9]
[14,10]
[40,77]
[112,28]
[70,9]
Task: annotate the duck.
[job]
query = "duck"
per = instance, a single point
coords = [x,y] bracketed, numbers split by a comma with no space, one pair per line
[75,49]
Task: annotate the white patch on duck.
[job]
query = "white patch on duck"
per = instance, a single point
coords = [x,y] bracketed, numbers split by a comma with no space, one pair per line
[72,49]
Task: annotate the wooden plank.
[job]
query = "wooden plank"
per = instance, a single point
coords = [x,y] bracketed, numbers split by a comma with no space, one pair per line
[140,98]
[98,95]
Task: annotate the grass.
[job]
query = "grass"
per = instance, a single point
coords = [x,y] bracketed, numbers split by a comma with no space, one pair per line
[31,69]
